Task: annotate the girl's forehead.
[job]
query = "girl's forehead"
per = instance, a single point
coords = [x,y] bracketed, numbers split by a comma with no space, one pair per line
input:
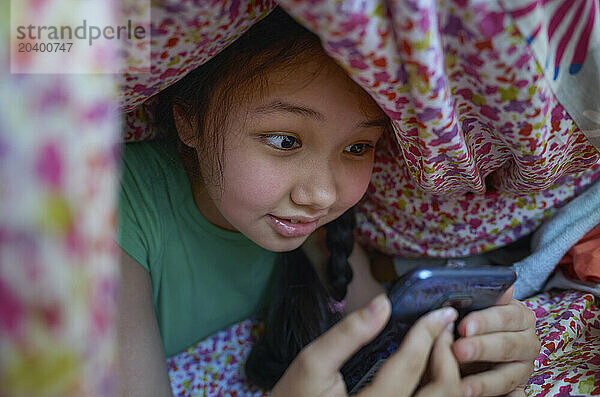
[319,82]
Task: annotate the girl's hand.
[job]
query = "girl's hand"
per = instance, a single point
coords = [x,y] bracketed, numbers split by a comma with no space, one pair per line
[315,371]
[503,334]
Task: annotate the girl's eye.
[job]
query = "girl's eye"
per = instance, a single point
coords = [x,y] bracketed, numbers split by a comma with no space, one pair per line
[283,142]
[358,148]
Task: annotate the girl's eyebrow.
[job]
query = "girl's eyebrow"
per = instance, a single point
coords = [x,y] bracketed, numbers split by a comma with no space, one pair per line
[281,106]
[383,122]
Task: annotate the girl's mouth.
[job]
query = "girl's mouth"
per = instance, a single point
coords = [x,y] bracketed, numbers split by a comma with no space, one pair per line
[293,227]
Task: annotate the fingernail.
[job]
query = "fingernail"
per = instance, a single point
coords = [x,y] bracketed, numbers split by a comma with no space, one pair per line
[450,327]
[376,305]
[447,314]
[471,328]
[469,351]
[467,391]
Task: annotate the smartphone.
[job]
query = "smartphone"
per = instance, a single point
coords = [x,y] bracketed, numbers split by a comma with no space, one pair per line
[419,292]
[466,289]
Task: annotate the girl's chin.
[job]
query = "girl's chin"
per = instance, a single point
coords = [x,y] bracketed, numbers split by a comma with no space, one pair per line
[283,244]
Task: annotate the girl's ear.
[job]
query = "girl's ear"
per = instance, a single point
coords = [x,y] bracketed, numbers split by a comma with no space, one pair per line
[186,129]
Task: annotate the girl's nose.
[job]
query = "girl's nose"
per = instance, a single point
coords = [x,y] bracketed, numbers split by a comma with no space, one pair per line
[316,190]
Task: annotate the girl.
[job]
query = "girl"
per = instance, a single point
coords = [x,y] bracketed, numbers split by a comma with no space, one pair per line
[272,142]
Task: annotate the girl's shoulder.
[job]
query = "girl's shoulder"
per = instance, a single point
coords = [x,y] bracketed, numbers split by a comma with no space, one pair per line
[147,156]
[151,187]
[153,168]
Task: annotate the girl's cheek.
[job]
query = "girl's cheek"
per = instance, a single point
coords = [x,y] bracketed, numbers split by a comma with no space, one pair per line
[355,185]
[256,183]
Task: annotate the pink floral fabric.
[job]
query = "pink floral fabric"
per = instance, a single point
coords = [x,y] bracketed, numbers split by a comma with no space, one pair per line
[185,34]
[215,366]
[471,110]
[58,263]
[565,38]
[482,152]
[568,324]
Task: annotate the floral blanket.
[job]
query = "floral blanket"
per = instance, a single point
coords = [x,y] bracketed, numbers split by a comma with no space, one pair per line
[483,148]
[470,69]
[568,324]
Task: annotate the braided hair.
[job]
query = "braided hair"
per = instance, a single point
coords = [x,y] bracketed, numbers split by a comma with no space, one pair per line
[299,311]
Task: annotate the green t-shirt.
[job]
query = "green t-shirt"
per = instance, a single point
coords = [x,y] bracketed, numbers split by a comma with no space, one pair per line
[203,278]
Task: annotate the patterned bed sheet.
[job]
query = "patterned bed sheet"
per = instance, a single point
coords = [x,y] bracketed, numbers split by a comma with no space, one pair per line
[568,324]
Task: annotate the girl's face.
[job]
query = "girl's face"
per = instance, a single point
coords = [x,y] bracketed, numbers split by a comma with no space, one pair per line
[294,159]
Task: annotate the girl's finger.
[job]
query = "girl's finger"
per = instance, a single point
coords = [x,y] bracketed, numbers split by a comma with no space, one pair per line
[501,380]
[406,366]
[518,392]
[497,347]
[512,317]
[506,296]
[444,368]
[325,356]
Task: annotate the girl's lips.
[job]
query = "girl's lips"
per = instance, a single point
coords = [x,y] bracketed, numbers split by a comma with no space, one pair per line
[287,228]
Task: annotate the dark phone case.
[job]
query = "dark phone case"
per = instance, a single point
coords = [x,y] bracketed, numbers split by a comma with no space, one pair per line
[466,289]
[421,291]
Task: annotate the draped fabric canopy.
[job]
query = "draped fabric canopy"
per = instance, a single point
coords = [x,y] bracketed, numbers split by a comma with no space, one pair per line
[482,95]
[483,147]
